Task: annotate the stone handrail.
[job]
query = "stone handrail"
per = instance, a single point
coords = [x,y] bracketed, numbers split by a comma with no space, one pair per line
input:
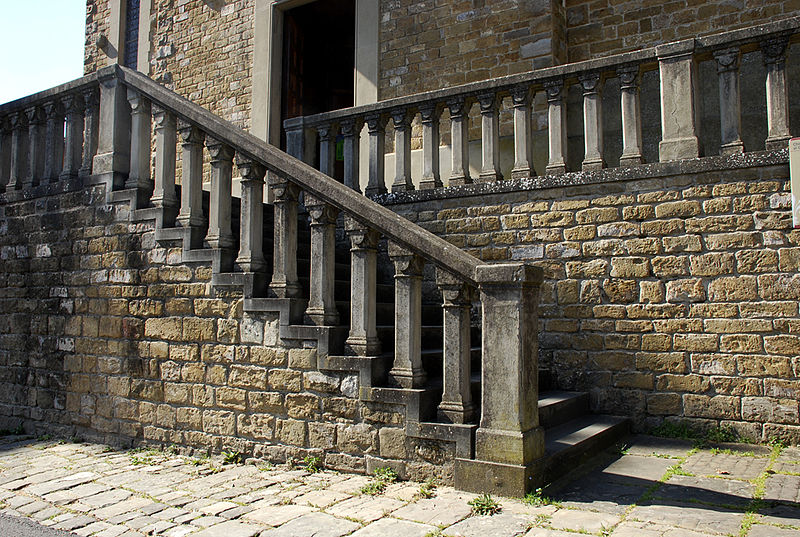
[676,63]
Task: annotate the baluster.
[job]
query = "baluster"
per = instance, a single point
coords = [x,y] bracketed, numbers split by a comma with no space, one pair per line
[592,122]
[556,127]
[679,125]
[91,105]
[284,271]
[327,148]
[490,138]
[301,141]
[19,151]
[351,131]
[191,213]
[459,134]
[321,309]
[523,146]
[36,145]
[5,152]
[54,142]
[631,115]
[456,405]
[376,125]
[111,164]
[73,141]
[407,370]
[774,54]
[402,150]
[139,177]
[219,214]
[509,431]
[251,252]
[166,139]
[363,337]
[730,105]
[429,115]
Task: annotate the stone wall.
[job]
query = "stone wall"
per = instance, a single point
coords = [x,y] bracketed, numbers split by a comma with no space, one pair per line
[603,27]
[98,22]
[670,297]
[110,337]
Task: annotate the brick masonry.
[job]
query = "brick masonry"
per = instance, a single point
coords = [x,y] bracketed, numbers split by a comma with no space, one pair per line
[110,337]
[672,298]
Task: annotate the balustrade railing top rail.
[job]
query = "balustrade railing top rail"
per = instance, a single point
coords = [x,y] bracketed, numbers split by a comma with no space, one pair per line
[680,122]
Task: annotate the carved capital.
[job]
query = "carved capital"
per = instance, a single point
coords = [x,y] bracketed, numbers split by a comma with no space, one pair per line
[319,212]
[774,49]
[628,76]
[138,103]
[35,115]
[190,134]
[91,100]
[727,59]
[326,132]
[73,104]
[18,121]
[375,123]
[162,118]
[488,103]
[520,96]
[590,83]
[53,110]
[351,127]
[429,112]
[361,237]
[406,262]
[282,190]
[219,152]
[250,170]
[455,292]
[553,89]
[457,107]
[401,119]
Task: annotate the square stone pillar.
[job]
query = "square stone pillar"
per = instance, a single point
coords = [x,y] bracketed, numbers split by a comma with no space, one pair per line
[459,135]
[112,162]
[401,121]
[407,370]
[376,126]
[509,444]
[36,145]
[54,142]
[679,112]
[556,127]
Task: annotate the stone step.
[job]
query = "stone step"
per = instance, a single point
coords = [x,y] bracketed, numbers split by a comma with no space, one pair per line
[573,442]
[558,407]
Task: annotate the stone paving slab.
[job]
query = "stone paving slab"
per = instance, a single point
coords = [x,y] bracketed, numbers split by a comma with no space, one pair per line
[620,494]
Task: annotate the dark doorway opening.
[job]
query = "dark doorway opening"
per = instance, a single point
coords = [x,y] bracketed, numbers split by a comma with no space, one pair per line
[318,59]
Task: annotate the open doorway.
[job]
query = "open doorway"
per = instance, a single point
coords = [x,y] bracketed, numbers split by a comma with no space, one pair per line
[318,59]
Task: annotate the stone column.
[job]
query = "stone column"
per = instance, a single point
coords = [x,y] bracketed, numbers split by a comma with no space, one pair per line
[219,213]
[556,127]
[36,146]
[774,54]
[679,122]
[490,138]
[73,141]
[19,151]
[429,114]
[91,114]
[459,135]
[321,309]
[363,337]
[509,430]
[407,370]
[284,270]
[139,177]
[730,105]
[402,150]
[191,213]
[54,142]
[327,148]
[631,115]
[166,139]
[592,122]
[523,146]
[456,405]
[112,162]
[5,152]
[376,126]
[351,131]
[251,253]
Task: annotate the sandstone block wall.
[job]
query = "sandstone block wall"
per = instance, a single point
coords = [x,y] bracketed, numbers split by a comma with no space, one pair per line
[110,337]
[668,298]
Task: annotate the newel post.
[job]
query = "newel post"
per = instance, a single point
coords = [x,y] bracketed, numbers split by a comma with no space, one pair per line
[112,161]
[509,442]
[679,86]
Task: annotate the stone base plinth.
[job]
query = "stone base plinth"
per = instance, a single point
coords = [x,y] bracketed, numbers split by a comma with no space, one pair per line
[498,479]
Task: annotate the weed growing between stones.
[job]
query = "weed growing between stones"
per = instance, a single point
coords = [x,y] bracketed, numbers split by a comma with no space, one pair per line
[313,464]
[427,489]
[381,478]
[715,435]
[232,457]
[536,497]
[16,431]
[485,505]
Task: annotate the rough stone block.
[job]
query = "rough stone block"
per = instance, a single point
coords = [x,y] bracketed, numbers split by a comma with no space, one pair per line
[303,358]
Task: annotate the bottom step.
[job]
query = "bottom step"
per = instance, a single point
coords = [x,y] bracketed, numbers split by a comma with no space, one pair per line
[570,444]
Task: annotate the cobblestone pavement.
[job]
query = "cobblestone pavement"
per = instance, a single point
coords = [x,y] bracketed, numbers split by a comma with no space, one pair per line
[648,488]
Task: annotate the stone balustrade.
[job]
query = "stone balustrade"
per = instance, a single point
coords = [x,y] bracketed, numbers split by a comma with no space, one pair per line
[676,65]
